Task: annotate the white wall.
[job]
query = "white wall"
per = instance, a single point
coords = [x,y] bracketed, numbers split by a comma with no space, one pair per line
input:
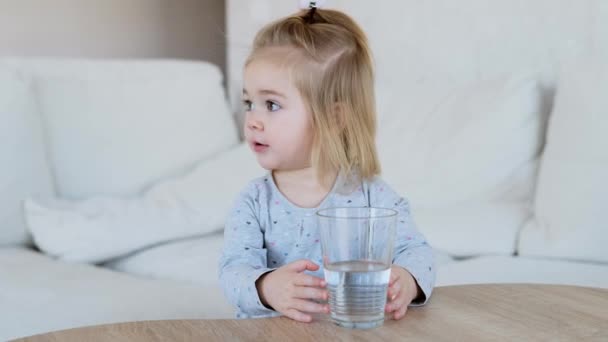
[190,29]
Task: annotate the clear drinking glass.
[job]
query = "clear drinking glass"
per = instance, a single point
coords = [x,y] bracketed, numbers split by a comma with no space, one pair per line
[357,246]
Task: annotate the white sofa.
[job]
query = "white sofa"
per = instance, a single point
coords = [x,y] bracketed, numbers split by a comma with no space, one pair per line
[116,177]
[87,129]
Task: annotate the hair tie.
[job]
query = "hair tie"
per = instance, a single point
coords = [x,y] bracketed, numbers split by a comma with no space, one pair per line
[312,7]
[305,4]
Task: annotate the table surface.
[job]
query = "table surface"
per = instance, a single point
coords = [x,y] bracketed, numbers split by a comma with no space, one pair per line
[468,313]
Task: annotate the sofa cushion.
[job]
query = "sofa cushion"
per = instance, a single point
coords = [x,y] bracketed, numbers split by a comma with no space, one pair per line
[105,227]
[191,260]
[473,228]
[39,294]
[445,144]
[503,269]
[463,154]
[115,127]
[24,169]
[571,198]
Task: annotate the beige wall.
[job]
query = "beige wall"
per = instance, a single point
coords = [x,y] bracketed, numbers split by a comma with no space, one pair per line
[189,29]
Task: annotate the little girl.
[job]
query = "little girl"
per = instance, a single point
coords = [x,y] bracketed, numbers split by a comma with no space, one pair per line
[310,120]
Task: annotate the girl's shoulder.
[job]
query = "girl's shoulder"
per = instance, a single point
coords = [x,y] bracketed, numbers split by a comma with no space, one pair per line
[381,193]
[376,184]
[256,188]
[251,198]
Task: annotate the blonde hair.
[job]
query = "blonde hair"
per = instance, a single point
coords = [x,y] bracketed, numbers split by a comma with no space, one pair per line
[331,66]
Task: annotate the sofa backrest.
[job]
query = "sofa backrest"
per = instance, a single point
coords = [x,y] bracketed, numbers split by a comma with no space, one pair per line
[24,167]
[570,205]
[109,127]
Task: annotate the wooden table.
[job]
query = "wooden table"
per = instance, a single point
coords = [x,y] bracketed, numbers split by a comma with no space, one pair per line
[455,313]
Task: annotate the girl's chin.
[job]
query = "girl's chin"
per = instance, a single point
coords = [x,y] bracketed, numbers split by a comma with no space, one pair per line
[267,164]
[271,164]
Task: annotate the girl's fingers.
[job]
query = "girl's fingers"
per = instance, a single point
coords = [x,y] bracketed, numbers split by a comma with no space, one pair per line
[302,265]
[298,316]
[308,306]
[308,280]
[397,302]
[308,292]
[400,313]
[394,277]
[393,291]
[390,307]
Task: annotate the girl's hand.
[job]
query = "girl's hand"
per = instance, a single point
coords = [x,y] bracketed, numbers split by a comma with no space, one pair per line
[402,289]
[289,291]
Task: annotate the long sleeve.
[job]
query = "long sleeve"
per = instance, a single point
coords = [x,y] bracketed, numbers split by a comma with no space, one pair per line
[413,253]
[244,259]
[411,250]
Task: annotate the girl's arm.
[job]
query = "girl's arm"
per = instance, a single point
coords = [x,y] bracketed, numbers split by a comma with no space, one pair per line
[411,250]
[413,253]
[244,258]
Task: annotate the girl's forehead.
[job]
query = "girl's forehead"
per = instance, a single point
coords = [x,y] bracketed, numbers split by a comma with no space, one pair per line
[264,74]
[281,55]
[283,59]
[265,65]
[276,68]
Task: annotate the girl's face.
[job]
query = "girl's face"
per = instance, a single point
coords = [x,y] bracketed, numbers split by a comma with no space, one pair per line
[278,125]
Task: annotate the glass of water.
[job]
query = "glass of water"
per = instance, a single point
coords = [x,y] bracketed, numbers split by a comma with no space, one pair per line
[357,246]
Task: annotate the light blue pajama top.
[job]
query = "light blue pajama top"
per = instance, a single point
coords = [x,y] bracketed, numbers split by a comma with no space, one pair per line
[265,230]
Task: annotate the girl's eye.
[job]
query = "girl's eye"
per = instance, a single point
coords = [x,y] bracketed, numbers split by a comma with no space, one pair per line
[272,106]
[247,105]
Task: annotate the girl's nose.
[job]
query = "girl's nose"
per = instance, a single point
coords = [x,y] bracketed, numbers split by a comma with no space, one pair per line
[254,124]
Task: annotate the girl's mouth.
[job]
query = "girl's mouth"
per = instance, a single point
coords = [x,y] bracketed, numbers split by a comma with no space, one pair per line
[259,147]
